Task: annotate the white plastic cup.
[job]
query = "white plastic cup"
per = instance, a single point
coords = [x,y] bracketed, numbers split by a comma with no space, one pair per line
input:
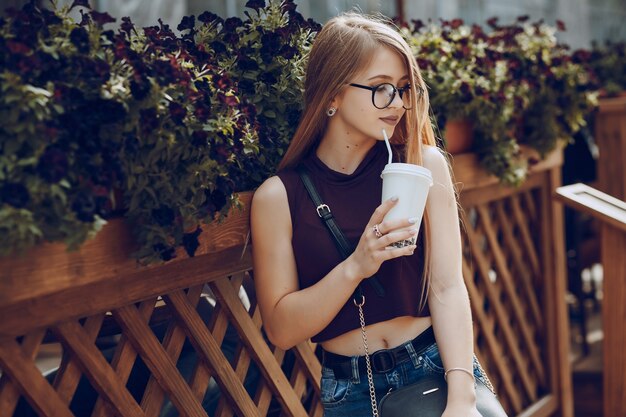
[411,184]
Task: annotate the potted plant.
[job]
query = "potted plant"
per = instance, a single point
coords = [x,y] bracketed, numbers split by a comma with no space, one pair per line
[470,85]
[515,83]
[561,92]
[156,116]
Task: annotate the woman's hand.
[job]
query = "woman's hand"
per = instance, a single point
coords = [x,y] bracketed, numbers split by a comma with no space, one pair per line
[372,249]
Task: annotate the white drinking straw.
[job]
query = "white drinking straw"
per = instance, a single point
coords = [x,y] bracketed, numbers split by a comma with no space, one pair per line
[388,145]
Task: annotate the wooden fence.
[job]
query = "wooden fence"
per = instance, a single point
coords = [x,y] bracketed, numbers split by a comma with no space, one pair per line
[97,300]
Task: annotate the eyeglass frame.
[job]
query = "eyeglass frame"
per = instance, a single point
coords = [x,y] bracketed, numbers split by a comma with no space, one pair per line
[400,91]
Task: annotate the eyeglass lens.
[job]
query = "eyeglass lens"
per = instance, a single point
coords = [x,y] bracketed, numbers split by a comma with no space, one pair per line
[385,93]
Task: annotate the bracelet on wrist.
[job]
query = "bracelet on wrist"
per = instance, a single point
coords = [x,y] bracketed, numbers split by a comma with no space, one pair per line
[467,371]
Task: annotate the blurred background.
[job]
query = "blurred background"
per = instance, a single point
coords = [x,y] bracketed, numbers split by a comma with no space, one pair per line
[586,20]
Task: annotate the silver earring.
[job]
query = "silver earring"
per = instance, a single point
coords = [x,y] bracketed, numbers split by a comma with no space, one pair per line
[331,111]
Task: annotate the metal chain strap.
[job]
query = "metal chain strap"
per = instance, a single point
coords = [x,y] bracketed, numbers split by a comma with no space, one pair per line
[488,383]
[370,376]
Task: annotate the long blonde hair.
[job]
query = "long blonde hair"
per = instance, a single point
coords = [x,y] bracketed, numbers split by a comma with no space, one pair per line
[341,50]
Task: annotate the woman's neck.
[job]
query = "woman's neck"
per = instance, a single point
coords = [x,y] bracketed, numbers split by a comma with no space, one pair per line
[341,154]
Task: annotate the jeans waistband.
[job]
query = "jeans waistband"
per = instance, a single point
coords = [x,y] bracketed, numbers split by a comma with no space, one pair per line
[382,361]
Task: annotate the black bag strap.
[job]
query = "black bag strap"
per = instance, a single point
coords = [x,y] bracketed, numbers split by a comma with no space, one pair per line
[342,243]
[325,214]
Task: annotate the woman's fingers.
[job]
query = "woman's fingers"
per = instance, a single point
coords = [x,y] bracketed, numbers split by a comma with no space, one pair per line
[393,225]
[375,245]
[393,237]
[397,252]
[381,211]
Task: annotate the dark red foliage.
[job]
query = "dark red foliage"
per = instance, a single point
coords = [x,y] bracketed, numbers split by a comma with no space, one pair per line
[101,18]
[80,38]
[163,215]
[229,100]
[456,23]
[127,25]
[255,4]
[81,3]
[208,17]
[166,253]
[493,23]
[202,112]
[190,241]
[177,112]
[14,194]
[149,120]
[53,165]
[140,87]
[187,23]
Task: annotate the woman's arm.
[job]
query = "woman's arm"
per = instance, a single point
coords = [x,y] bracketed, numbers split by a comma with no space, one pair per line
[448,299]
[290,314]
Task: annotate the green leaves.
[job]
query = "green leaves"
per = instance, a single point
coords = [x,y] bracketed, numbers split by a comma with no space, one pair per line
[18,230]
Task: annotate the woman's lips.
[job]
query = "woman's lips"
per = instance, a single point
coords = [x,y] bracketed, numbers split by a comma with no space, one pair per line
[390,120]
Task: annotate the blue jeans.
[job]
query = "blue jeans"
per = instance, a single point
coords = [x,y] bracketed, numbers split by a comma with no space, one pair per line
[350,396]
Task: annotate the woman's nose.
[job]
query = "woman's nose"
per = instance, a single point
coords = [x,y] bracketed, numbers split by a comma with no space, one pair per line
[397,100]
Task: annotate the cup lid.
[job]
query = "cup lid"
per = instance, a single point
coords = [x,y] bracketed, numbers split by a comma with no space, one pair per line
[411,169]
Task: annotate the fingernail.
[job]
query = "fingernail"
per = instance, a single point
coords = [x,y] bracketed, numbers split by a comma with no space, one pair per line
[413,220]
[413,231]
[394,198]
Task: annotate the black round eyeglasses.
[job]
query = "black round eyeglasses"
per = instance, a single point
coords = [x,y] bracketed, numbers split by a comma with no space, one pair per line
[383,94]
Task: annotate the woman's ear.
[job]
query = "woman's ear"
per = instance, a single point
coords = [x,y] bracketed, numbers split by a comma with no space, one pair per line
[336,101]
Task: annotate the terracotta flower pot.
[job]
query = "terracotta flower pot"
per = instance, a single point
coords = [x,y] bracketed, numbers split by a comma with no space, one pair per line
[458,135]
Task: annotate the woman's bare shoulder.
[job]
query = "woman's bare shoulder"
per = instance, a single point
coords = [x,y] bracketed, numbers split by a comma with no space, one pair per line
[271,198]
[272,189]
[434,160]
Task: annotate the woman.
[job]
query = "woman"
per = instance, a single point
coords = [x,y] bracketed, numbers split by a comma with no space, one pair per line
[361,78]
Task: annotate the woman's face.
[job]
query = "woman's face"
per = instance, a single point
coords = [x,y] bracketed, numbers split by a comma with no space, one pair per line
[356,114]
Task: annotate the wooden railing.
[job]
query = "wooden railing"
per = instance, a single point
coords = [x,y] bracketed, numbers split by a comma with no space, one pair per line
[611,212]
[514,269]
[610,134]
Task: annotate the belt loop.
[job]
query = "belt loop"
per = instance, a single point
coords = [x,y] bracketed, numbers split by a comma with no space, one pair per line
[412,354]
[354,361]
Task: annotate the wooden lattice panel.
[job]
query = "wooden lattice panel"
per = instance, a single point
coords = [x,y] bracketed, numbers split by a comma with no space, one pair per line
[500,272]
[164,348]
[167,353]
[510,273]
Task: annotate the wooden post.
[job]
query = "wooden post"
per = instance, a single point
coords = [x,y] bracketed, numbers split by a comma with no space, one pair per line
[400,10]
[560,339]
[612,213]
[610,131]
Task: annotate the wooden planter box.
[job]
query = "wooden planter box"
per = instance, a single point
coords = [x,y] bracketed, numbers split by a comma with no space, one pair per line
[513,265]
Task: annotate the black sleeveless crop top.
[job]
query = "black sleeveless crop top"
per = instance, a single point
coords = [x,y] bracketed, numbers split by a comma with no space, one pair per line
[352,200]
